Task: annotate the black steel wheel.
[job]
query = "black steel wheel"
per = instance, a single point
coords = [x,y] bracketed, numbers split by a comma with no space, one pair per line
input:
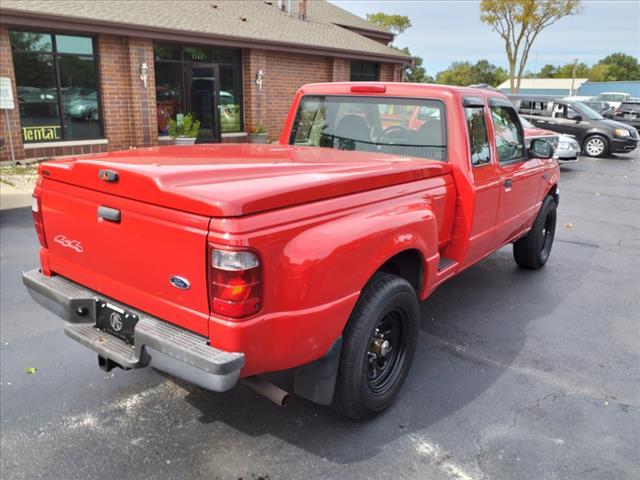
[378,345]
[532,251]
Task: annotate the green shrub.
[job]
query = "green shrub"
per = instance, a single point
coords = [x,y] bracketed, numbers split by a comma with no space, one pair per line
[190,127]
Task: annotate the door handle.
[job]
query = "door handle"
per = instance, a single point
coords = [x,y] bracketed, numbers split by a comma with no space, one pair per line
[508,183]
[109,214]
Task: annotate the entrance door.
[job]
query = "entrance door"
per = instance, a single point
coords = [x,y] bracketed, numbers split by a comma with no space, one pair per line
[201,93]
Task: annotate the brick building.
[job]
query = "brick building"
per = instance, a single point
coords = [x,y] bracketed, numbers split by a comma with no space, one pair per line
[93,76]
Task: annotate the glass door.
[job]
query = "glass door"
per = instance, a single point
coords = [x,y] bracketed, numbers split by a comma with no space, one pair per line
[201,93]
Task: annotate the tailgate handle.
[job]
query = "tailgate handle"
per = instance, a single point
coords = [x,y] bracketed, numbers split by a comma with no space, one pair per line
[110,214]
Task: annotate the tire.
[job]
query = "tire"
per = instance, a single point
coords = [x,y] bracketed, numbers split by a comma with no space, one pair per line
[532,251]
[596,146]
[370,375]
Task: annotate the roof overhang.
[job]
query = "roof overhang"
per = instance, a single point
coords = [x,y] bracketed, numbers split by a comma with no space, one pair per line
[388,36]
[19,18]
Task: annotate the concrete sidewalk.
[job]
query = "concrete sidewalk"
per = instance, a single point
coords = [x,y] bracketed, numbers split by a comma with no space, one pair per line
[12,197]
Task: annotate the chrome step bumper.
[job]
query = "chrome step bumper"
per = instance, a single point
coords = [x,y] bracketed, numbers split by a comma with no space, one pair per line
[159,344]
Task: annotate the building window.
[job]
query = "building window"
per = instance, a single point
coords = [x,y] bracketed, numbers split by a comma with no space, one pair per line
[364,72]
[57,86]
[203,81]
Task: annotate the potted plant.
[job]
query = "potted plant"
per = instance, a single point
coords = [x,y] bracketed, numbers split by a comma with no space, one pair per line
[258,134]
[184,130]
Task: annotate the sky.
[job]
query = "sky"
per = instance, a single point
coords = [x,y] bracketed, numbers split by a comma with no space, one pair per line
[446,31]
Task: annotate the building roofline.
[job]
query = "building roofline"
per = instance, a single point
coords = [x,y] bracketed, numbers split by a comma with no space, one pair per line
[20,18]
[366,32]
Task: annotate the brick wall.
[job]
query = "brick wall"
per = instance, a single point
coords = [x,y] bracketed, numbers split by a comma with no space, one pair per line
[283,73]
[129,110]
[6,70]
[341,70]
[390,72]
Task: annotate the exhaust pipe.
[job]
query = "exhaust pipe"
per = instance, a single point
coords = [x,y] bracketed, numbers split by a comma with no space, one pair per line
[267,389]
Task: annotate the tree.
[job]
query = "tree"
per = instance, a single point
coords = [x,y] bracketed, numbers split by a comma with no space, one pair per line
[398,24]
[416,72]
[519,22]
[466,73]
[619,67]
[599,73]
[395,24]
[547,71]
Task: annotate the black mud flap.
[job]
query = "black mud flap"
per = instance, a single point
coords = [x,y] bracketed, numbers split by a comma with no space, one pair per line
[316,381]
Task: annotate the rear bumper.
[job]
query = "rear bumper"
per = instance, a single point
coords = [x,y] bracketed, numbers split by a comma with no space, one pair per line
[159,344]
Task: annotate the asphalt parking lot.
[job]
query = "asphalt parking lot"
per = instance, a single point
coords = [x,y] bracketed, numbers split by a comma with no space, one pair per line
[518,375]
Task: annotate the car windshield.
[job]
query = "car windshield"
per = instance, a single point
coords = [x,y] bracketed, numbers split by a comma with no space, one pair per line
[588,111]
[399,126]
[613,97]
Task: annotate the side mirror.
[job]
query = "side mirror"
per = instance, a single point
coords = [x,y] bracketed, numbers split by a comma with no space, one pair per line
[577,118]
[540,148]
[608,115]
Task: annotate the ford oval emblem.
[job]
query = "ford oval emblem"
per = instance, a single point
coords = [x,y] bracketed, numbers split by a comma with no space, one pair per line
[180,282]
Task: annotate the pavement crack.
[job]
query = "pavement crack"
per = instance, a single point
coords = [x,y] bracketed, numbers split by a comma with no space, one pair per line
[536,405]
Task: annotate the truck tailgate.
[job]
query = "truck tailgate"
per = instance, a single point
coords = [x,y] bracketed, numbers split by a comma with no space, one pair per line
[130,260]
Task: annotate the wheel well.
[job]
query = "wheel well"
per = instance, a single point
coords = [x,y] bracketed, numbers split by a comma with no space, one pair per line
[408,265]
[553,191]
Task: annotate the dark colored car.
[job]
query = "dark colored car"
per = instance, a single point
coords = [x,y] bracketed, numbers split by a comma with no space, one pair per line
[628,113]
[597,136]
[603,108]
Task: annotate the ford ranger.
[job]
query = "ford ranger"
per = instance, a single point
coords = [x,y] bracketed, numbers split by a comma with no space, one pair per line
[218,263]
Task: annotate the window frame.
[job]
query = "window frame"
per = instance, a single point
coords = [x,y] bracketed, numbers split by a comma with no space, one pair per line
[55,56]
[183,61]
[495,102]
[486,136]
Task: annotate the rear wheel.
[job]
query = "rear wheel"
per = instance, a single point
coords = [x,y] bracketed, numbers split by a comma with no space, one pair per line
[596,146]
[378,346]
[532,251]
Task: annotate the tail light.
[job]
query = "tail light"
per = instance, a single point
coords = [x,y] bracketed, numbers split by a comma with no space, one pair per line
[235,283]
[36,211]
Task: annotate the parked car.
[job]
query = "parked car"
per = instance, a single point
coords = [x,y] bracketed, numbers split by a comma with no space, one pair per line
[613,98]
[85,108]
[603,108]
[565,147]
[628,113]
[597,136]
[220,262]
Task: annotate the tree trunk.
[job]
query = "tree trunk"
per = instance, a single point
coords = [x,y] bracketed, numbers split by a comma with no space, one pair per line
[512,75]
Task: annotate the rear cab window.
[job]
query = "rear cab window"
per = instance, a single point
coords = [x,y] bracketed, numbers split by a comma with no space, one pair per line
[400,126]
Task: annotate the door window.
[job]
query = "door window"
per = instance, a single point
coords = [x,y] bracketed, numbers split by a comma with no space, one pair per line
[508,134]
[572,114]
[478,139]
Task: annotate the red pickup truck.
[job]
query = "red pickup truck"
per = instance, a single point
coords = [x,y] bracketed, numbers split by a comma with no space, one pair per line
[217,263]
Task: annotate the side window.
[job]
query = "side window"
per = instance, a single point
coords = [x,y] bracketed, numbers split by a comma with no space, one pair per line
[478,139]
[572,114]
[508,132]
